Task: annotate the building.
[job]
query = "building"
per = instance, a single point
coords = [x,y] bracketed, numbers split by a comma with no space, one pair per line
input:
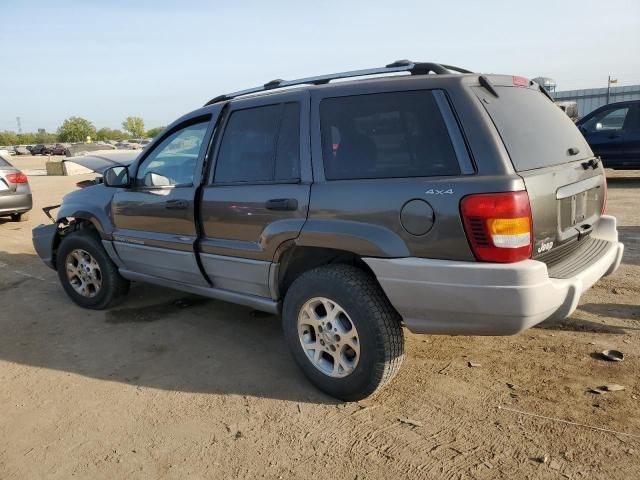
[591,98]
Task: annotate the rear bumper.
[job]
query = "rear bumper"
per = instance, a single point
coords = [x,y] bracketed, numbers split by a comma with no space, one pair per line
[15,203]
[467,298]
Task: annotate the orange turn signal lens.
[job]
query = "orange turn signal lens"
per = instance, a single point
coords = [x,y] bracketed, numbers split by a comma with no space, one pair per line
[508,226]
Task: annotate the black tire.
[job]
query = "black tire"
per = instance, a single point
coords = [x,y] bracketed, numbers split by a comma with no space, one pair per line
[20,217]
[378,325]
[114,287]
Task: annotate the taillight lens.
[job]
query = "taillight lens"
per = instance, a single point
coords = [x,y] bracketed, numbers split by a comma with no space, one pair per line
[498,226]
[16,177]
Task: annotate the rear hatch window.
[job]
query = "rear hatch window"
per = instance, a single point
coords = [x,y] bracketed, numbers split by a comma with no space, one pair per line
[535,131]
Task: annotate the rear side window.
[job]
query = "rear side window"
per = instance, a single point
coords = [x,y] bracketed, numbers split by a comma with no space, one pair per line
[536,132]
[385,135]
[4,163]
[260,144]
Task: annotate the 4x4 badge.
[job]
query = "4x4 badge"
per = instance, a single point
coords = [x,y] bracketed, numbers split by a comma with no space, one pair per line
[433,191]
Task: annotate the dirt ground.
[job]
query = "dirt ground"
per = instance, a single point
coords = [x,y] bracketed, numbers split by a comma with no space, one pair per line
[173,386]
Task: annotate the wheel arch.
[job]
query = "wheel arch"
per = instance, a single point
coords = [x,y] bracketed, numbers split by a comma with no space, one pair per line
[73,224]
[294,260]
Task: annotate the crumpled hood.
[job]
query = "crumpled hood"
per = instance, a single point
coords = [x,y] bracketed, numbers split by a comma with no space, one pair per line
[100,160]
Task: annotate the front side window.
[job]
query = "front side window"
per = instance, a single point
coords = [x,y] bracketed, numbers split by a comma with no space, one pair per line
[173,162]
[607,120]
[260,144]
[385,135]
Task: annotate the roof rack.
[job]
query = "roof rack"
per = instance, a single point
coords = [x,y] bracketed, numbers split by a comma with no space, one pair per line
[414,68]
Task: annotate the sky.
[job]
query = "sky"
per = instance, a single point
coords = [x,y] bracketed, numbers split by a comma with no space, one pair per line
[106,60]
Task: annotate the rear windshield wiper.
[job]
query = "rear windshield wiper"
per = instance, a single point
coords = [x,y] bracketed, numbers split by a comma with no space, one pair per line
[484,81]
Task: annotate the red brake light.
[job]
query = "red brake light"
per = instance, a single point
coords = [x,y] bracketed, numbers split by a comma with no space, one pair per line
[498,226]
[520,81]
[16,177]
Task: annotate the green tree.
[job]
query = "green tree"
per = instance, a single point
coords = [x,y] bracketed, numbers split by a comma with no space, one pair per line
[76,129]
[26,138]
[135,126]
[153,132]
[8,138]
[43,137]
[110,134]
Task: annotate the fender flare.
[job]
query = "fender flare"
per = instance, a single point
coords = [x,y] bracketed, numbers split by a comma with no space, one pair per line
[363,239]
[101,222]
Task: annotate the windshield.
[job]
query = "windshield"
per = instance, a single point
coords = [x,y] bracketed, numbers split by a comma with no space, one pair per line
[536,132]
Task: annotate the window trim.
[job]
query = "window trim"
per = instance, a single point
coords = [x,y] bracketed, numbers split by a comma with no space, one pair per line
[215,152]
[458,141]
[456,135]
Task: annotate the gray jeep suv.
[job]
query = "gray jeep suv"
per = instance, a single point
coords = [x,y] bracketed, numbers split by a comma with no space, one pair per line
[439,199]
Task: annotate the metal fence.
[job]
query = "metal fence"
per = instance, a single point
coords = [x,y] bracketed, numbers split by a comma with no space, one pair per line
[591,98]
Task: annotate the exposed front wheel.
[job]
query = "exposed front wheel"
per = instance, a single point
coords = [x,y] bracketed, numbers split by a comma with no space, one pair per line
[87,274]
[342,331]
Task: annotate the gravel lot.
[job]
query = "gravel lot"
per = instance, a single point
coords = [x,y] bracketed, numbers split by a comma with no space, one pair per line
[174,386]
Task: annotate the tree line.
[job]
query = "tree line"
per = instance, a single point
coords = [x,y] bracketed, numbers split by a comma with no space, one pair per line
[77,129]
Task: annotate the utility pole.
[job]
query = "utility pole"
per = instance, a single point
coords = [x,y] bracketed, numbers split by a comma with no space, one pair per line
[19,125]
[609,82]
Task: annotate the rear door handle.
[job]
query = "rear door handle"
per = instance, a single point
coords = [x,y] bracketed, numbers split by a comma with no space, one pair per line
[176,205]
[282,204]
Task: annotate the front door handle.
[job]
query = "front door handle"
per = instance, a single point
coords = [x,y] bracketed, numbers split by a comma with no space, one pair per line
[282,204]
[176,205]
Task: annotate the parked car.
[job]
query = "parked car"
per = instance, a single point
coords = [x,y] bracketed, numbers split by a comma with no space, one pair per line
[20,150]
[9,149]
[59,149]
[15,194]
[41,149]
[127,145]
[570,107]
[613,133]
[429,203]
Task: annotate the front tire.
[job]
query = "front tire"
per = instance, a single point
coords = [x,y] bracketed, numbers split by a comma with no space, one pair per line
[20,217]
[87,274]
[342,331]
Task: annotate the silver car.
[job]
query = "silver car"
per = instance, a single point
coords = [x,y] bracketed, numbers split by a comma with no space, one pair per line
[15,194]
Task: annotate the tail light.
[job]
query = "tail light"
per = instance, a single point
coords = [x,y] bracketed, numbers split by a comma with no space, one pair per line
[498,226]
[16,177]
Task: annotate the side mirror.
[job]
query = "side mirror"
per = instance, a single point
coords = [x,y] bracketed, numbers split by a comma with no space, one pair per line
[117,177]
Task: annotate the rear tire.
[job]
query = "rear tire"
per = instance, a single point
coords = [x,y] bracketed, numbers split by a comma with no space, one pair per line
[350,354]
[87,274]
[20,217]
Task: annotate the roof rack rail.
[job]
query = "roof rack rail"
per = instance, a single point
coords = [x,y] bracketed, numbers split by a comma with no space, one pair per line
[414,68]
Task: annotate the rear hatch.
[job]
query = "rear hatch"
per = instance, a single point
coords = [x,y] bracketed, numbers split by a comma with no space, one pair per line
[564,181]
